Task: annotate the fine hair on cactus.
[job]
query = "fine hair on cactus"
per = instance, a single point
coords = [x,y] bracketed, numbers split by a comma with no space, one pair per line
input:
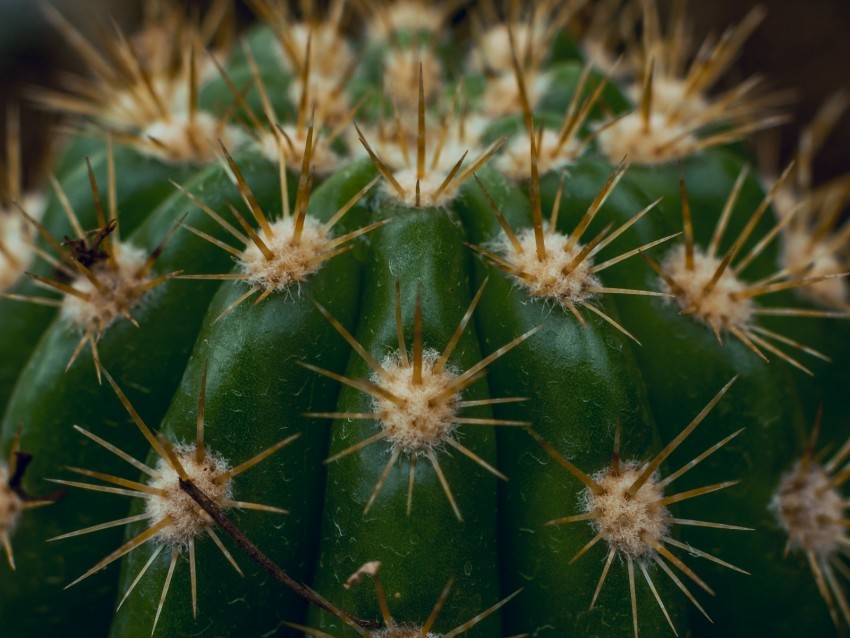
[443,296]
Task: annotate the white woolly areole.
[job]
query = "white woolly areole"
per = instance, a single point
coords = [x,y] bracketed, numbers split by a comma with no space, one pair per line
[514,160]
[475,125]
[553,277]
[16,239]
[719,309]
[798,250]
[122,289]
[452,139]
[502,96]
[785,199]
[330,56]
[10,503]
[454,146]
[664,141]
[424,419]
[323,160]
[330,52]
[134,106]
[188,519]
[405,16]
[401,75]
[494,47]
[810,511]
[629,524]
[125,108]
[671,99]
[178,138]
[598,54]
[326,94]
[428,186]
[292,262]
[384,141]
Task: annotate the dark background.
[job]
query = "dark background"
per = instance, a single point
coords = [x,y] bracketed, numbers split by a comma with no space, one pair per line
[802,45]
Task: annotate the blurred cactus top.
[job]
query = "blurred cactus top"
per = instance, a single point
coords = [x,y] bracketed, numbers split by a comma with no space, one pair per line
[800,46]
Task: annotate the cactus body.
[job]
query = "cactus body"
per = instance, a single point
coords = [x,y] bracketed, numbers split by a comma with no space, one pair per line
[446,329]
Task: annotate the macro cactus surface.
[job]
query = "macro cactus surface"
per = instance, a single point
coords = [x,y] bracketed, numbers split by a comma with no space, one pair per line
[489,307]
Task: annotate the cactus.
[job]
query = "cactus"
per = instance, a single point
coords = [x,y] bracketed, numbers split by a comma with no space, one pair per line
[469,302]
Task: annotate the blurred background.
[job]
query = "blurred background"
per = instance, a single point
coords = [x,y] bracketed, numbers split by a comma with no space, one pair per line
[802,46]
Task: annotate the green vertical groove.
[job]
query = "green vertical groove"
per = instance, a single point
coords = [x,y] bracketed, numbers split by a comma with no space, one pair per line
[257,394]
[580,380]
[146,362]
[422,251]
